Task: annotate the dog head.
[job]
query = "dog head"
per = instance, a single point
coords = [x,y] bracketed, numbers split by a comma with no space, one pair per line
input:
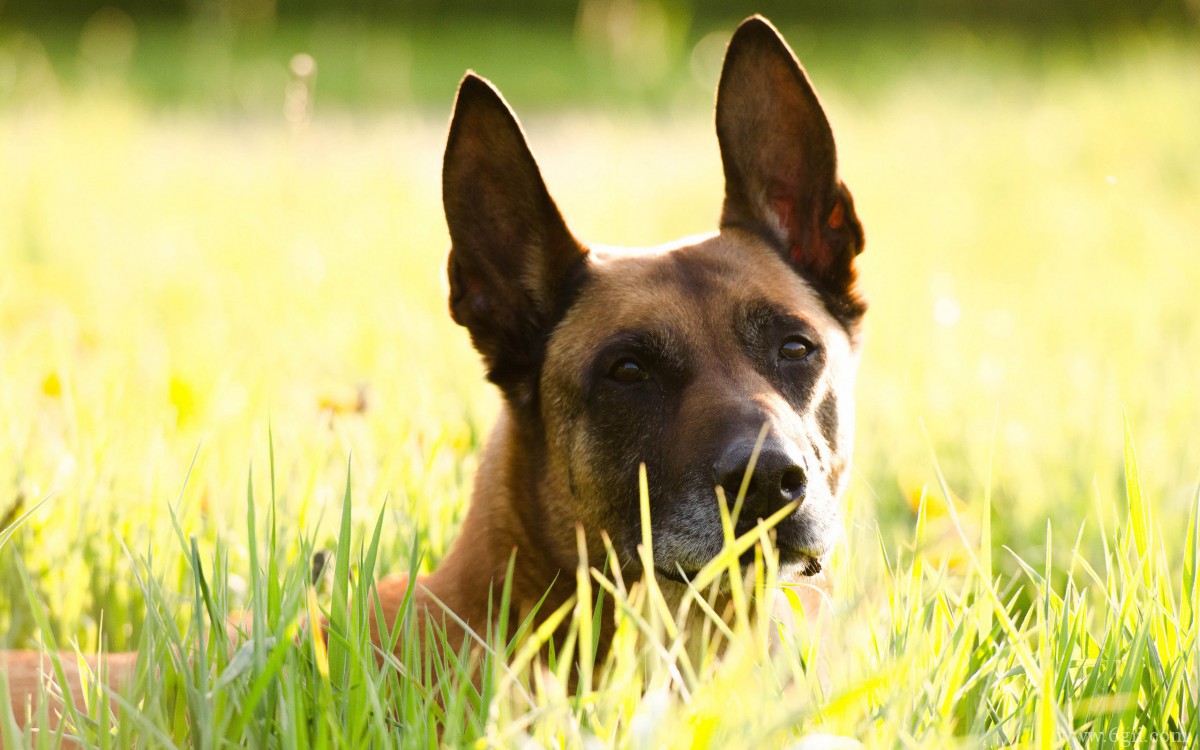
[679,357]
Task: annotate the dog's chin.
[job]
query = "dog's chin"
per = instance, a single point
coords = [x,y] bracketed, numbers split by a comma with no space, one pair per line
[804,566]
[792,564]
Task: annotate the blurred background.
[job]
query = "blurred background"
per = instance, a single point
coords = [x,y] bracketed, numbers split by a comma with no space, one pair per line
[231,55]
[220,221]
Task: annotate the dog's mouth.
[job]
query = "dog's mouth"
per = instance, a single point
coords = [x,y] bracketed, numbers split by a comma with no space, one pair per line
[805,563]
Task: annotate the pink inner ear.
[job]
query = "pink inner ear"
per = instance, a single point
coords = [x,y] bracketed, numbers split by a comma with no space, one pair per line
[809,253]
[836,216]
[783,209]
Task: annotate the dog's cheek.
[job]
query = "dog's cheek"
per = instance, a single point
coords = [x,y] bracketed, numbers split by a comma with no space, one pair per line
[819,515]
[801,386]
[831,423]
[622,429]
[822,425]
[814,527]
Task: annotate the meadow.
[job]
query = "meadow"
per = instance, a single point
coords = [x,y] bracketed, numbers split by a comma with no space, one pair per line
[224,344]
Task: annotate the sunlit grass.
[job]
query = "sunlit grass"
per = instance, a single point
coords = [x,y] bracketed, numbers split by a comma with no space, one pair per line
[176,288]
[919,657]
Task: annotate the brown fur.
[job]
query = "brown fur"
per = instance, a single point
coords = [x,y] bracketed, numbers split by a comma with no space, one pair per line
[673,357]
[26,671]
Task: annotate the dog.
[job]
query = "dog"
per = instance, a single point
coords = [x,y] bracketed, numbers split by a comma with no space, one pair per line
[672,357]
[693,359]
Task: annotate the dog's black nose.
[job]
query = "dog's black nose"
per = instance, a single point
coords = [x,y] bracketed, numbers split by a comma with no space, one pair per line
[778,479]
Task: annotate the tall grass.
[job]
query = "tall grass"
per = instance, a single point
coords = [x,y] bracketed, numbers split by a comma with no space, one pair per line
[177,287]
[1108,661]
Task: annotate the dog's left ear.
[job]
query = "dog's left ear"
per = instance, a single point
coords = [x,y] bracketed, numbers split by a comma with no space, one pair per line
[513,261]
[780,164]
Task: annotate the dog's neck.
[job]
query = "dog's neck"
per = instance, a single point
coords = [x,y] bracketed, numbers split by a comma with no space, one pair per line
[505,525]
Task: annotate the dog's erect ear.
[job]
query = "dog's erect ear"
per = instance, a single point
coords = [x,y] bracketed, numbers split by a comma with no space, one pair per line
[781,165]
[512,258]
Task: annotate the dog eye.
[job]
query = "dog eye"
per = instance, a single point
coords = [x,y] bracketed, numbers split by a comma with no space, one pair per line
[794,347]
[628,371]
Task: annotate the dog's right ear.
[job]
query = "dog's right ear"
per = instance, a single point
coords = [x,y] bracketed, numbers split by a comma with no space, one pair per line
[512,258]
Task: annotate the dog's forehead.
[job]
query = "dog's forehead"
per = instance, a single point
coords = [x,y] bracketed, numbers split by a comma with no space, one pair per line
[693,287]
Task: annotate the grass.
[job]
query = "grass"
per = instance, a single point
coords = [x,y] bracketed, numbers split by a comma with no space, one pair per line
[188,296]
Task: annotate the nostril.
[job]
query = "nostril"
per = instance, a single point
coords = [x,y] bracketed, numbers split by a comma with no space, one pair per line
[731,481]
[791,482]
